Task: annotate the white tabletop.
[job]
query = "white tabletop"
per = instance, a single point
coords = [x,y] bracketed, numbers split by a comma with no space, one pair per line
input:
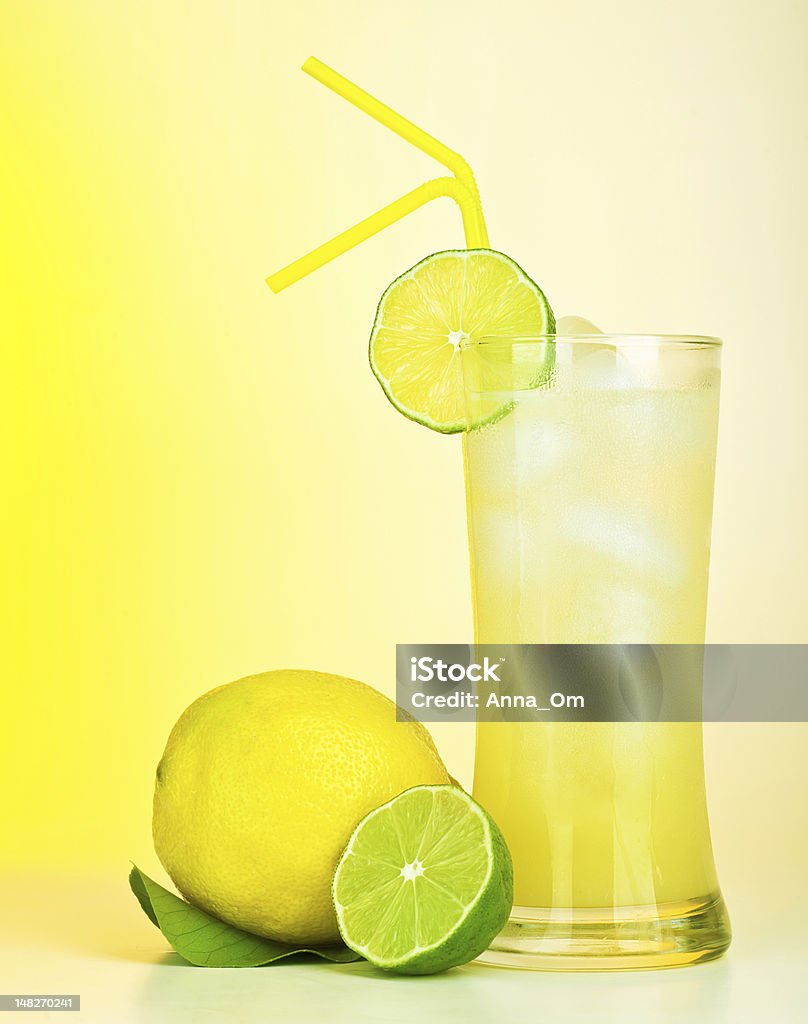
[86,935]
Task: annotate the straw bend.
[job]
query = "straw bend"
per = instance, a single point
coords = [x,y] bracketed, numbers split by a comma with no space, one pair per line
[402,127]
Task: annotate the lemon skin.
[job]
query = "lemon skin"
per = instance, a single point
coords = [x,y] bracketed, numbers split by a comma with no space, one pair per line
[262,783]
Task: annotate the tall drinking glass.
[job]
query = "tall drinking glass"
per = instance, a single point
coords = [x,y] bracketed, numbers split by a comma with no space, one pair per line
[589,507]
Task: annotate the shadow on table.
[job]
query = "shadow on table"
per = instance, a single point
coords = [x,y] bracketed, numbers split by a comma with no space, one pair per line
[306,989]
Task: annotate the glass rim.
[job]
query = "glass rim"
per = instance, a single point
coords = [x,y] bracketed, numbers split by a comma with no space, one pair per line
[691,341]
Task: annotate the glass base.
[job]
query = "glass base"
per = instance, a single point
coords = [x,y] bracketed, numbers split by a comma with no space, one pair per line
[612,939]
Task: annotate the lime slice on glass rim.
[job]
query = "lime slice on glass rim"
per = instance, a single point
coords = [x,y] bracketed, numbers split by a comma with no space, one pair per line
[425,882]
[443,318]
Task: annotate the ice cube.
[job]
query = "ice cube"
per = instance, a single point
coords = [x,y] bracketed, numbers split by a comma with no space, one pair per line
[576,325]
[635,361]
[540,445]
[589,364]
[642,355]
[625,540]
[601,367]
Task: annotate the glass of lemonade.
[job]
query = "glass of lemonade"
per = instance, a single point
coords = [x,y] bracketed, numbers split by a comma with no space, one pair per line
[589,509]
[589,478]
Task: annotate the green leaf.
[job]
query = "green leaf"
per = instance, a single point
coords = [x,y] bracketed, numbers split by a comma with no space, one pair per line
[205,941]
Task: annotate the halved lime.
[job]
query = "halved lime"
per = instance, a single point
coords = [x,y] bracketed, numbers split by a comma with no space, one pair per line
[425,882]
[452,301]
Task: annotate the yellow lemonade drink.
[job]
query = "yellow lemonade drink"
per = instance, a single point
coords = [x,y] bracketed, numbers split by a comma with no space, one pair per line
[589,510]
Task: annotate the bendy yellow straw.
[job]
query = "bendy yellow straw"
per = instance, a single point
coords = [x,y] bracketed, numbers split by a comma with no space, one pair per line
[461,186]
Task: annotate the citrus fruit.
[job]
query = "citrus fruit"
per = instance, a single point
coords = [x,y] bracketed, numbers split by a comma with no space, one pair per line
[261,785]
[425,882]
[437,320]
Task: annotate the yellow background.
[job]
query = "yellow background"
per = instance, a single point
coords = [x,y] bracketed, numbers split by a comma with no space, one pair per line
[202,480]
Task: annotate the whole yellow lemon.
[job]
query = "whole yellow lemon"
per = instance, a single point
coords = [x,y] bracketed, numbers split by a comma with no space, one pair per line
[262,783]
